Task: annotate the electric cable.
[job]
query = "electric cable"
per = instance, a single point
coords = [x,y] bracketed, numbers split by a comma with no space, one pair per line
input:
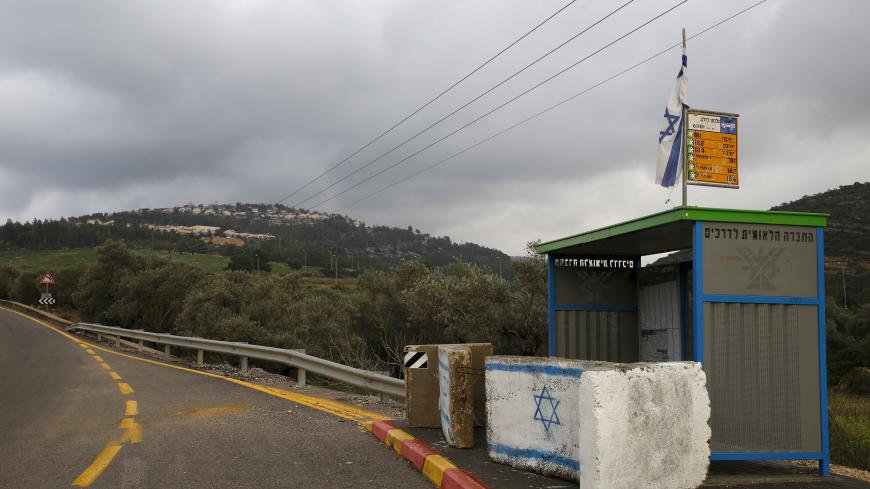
[548,109]
[499,107]
[444,92]
[466,104]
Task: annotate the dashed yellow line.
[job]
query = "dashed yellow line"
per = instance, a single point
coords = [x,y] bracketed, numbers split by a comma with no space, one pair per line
[336,408]
[99,464]
[132,431]
[132,408]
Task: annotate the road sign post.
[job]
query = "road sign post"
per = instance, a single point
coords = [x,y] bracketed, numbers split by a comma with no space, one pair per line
[711,149]
[46,279]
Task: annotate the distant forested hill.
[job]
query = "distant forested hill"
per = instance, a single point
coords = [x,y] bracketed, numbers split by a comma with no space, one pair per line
[848,232]
[282,234]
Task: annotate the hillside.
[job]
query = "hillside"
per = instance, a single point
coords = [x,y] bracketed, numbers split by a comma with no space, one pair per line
[848,233]
[279,234]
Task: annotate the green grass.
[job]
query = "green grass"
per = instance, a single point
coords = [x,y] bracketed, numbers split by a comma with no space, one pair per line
[51,260]
[47,260]
[850,430]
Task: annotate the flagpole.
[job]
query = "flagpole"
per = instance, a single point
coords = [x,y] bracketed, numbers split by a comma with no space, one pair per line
[684,143]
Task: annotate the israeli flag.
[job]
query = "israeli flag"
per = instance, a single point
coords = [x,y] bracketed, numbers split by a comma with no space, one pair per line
[671,135]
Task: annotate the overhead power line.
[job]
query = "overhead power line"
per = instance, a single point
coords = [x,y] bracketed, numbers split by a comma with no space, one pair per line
[546,110]
[499,107]
[466,104]
[444,92]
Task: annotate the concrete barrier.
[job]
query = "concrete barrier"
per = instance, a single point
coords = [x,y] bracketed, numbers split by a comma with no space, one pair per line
[421,388]
[455,399]
[605,425]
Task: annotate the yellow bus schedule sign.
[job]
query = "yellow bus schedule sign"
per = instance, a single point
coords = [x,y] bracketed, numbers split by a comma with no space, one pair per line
[711,149]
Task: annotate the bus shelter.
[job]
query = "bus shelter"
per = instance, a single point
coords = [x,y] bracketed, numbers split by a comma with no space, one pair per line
[740,291]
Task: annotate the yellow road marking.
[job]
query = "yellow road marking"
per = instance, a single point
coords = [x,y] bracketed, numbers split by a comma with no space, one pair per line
[90,351]
[114,376]
[100,463]
[106,366]
[124,388]
[83,345]
[98,358]
[336,408]
[132,431]
[132,408]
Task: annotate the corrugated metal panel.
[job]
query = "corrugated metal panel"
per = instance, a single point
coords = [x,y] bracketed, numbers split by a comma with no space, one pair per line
[597,335]
[763,396]
[659,314]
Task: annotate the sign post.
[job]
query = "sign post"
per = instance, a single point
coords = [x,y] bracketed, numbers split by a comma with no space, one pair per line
[46,279]
[711,149]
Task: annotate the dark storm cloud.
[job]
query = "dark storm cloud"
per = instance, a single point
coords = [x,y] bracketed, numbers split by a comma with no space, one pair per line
[115,105]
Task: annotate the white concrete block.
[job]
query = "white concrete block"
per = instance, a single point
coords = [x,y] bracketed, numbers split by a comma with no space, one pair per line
[605,425]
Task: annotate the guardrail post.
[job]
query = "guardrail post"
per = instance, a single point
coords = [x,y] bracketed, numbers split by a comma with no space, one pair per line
[117,342]
[141,344]
[166,350]
[243,364]
[199,358]
[383,396]
[99,337]
[300,372]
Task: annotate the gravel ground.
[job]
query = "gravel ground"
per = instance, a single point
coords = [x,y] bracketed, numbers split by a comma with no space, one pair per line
[859,474]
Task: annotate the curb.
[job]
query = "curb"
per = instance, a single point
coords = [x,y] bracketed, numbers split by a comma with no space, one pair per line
[440,471]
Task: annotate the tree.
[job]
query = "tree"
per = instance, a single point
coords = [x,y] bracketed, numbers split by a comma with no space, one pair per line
[100,286]
[153,298]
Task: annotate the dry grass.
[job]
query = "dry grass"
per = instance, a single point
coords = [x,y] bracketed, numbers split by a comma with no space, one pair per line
[850,429]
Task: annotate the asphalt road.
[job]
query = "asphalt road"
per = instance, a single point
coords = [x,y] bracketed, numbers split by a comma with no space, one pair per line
[66,419]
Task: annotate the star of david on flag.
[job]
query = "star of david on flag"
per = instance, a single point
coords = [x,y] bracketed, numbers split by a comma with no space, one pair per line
[545,403]
[671,135]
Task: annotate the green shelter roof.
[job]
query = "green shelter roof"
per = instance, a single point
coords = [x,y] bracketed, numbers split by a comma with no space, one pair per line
[668,230]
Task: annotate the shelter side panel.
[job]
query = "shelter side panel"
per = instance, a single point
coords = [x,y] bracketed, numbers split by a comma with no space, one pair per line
[762,371]
[597,335]
[758,259]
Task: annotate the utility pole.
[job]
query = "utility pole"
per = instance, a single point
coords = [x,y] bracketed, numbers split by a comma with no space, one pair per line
[304,260]
[843,271]
[258,269]
[336,268]
[684,143]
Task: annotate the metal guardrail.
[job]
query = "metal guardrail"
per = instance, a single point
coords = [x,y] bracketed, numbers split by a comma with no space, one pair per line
[342,373]
[364,379]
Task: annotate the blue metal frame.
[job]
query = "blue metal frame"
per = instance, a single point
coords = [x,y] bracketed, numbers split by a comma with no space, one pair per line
[699,298]
[551,305]
[698,290]
[825,458]
[761,299]
[765,456]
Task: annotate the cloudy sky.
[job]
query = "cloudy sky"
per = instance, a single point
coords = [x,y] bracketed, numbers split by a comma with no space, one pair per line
[108,105]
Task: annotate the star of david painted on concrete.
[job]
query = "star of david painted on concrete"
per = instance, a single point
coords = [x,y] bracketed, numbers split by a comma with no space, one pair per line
[672,119]
[542,402]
